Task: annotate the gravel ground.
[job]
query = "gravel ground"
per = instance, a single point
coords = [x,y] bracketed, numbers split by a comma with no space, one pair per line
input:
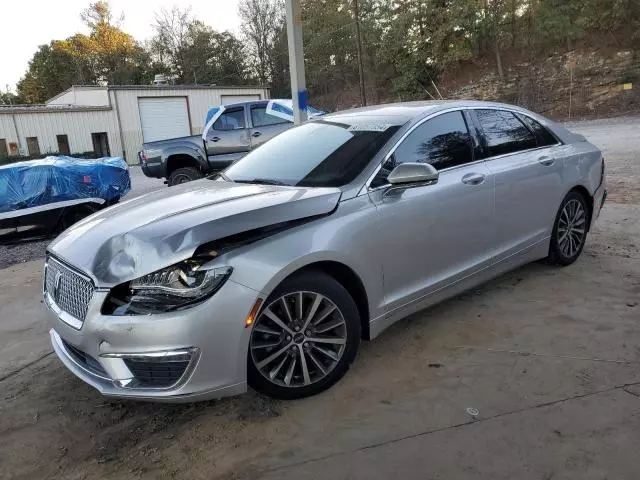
[30,250]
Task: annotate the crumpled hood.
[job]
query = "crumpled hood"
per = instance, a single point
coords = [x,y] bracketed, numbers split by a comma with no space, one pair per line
[147,233]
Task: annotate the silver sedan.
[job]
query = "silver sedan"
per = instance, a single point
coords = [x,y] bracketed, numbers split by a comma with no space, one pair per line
[271,274]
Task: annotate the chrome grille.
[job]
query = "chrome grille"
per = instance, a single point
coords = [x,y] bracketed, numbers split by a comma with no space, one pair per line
[72,292]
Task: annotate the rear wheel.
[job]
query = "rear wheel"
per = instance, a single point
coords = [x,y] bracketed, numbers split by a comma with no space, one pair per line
[183,175]
[569,230]
[305,337]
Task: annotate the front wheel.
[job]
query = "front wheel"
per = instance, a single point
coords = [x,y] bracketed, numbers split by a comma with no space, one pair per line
[569,230]
[305,337]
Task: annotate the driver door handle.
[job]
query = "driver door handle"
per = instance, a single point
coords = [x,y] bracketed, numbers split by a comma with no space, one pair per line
[473,178]
[546,160]
[215,139]
[256,134]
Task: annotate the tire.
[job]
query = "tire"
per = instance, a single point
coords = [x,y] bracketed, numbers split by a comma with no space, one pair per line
[325,362]
[72,215]
[184,175]
[573,215]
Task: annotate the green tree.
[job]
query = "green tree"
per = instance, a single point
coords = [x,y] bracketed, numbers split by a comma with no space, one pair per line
[106,55]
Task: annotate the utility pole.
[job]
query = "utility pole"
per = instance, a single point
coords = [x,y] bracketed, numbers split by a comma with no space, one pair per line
[356,14]
[299,93]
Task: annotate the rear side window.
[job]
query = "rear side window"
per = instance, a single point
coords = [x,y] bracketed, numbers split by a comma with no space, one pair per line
[544,137]
[260,117]
[230,120]
[504,132]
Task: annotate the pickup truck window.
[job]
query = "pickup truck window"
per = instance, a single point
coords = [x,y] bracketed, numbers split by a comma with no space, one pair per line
[260,117]
[230,120]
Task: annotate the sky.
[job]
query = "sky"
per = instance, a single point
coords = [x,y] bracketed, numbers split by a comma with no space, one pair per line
[29,23]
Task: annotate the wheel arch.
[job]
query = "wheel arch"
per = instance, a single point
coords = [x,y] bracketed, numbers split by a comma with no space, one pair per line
[349,279]
[582,190]
[180,160]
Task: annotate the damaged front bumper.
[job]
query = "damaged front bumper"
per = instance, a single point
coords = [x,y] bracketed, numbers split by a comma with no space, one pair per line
[194,354]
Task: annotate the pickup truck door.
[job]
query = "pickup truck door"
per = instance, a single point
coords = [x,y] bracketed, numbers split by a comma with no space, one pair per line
[264,125]
[229,134]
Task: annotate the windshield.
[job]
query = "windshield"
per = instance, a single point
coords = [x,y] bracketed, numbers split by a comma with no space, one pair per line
[316,154]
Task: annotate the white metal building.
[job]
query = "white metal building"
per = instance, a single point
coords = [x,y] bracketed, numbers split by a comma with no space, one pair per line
[113,120]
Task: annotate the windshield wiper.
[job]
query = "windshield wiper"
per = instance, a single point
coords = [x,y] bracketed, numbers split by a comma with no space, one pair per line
[264,181]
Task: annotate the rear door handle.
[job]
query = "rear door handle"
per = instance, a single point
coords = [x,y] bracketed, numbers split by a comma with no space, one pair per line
[256,134]
[215,139]
[473,178]
[546,161]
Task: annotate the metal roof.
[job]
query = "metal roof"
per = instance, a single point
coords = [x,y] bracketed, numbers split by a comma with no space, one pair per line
[42,108]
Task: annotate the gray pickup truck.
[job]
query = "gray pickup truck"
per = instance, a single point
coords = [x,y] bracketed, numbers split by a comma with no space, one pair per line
[240,128]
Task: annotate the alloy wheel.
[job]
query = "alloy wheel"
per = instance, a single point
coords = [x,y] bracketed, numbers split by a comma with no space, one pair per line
[298,339]
[571,228]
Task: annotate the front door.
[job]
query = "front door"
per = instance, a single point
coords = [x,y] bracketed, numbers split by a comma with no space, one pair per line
[436,233]
[264,125]
[228,134]
[521,154]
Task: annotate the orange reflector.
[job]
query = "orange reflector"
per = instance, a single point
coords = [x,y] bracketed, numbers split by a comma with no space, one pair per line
[253,313]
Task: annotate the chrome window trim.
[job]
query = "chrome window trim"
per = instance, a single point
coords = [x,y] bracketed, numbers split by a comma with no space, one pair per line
[516,112]
[366,188]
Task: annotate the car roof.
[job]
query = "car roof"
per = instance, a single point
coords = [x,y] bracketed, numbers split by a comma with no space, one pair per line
[402,112]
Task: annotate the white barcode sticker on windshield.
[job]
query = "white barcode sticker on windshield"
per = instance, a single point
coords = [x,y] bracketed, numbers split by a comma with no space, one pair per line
[369,127]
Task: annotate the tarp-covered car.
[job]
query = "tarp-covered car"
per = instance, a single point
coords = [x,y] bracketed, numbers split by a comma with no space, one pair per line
[56,191]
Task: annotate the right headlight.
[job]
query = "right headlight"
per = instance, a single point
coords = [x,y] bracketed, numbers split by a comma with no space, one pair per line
[173,288]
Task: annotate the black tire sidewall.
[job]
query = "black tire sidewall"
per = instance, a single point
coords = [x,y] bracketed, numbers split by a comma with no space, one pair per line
[555,254]
[191,172]
[326,285]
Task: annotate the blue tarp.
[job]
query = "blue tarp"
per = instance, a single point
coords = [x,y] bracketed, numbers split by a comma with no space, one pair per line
[56,179]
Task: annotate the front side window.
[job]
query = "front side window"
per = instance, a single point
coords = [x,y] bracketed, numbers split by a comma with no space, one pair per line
[260,117]
[315,154]
[504,132]
[544,138]
[443,141]
[230,120]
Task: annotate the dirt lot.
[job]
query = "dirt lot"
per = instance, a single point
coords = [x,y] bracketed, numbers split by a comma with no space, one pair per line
[549,358]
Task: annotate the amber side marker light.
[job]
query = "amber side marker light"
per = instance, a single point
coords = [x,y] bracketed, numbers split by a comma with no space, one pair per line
[253,313]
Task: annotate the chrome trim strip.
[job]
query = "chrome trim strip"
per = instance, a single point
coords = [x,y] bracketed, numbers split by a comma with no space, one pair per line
[63,316]
[58,345]
[131,384]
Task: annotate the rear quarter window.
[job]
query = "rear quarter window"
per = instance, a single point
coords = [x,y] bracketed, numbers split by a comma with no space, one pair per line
[504,132]
[544,137]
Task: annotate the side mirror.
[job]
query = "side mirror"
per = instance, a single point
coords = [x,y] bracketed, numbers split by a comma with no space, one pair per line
[407,173]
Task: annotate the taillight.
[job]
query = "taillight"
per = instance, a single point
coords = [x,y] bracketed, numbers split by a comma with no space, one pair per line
[143,156]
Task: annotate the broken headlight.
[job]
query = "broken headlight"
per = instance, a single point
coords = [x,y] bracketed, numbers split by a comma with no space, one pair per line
[173,288]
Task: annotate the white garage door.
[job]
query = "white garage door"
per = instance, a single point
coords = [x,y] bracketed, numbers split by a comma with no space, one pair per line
[164,118]
[229,99]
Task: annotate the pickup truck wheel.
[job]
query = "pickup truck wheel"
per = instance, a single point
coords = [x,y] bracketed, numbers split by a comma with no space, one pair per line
[183,175]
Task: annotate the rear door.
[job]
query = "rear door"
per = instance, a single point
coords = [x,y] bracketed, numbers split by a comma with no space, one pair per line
[528,178]
[229,133]
[264,125]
